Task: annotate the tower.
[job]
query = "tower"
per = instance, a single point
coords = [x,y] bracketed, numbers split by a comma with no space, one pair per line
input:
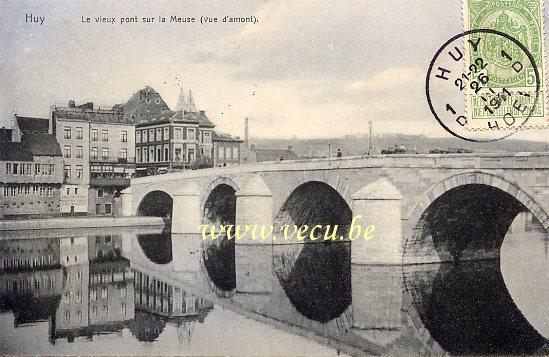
[246,134]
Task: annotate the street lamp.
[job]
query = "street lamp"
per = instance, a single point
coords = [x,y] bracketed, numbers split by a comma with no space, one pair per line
[370,127]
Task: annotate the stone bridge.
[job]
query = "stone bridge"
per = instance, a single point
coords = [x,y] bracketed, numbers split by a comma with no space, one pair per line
[425,208]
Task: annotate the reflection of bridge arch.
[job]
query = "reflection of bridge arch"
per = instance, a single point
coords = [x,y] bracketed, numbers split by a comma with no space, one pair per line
[495,198]
[219,208]
[316,275]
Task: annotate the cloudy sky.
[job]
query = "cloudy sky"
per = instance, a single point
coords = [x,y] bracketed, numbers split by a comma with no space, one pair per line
[306,69]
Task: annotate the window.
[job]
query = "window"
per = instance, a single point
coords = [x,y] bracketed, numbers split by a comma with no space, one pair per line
[104,293]
[67,151]
[50,192]
[51,169]
[15,168]
[138,136]
[76,190]
[178,154]
[151,154]
[166,153]
[67,172]
[158,101]
[94,153]
[123,153]
[68,190]
[151,134]
[108,208]
[124,136]
[105,153]
[79,131]
[167,133]
[8,168]
[178,133]
[190,134]
[93,295]
[79,152]
[159,134]
[105,135]
[37,169]
[94,135]
[190,155]
[138,155]
[97,208]
[207,137]
[79,172]
[67,132]
[29,169]
[145,136]
[158,153]
[42,191]
[99,193]
[6,192]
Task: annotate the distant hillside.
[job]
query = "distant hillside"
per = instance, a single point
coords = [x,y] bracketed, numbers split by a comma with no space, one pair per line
[353,145]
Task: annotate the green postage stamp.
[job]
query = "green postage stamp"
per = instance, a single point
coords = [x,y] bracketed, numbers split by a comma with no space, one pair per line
[515,64]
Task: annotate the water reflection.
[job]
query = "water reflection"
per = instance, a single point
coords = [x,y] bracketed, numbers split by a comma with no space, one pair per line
[316,277]
[468,310]
[157,246]
[80,288]
[83,287]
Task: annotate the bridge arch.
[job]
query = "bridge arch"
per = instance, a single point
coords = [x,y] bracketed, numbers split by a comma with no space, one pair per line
[482,185]
[155,202]
[315,275]
[218,256]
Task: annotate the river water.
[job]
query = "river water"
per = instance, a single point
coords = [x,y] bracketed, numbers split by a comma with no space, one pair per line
[127,292]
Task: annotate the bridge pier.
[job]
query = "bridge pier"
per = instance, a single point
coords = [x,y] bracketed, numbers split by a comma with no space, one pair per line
[186,220]
[253,258]
[377,297]
[379,203]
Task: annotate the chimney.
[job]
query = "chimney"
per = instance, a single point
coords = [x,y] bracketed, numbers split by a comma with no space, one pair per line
[246,133]
[202,112]
[71,104]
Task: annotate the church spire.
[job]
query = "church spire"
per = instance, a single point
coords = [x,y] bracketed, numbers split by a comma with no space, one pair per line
[181,100]
[190,103]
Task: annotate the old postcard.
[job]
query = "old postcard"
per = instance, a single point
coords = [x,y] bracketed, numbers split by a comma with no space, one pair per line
[274,178]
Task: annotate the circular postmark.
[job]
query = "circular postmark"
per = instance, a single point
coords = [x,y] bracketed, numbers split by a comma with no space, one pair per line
[466,90]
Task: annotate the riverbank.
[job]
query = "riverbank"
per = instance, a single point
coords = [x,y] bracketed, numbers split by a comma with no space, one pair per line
[78,222]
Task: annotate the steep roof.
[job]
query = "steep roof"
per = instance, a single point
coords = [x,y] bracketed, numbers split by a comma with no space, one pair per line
[39,125]
[92,115]
[199,118]
[14,151]
[40,144]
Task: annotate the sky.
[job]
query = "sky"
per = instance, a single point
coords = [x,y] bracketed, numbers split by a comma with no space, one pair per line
[306,69]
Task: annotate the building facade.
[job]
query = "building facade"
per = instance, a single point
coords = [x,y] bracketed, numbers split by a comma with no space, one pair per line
[31,174]
[98,148]
[226,150]
[173,141]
